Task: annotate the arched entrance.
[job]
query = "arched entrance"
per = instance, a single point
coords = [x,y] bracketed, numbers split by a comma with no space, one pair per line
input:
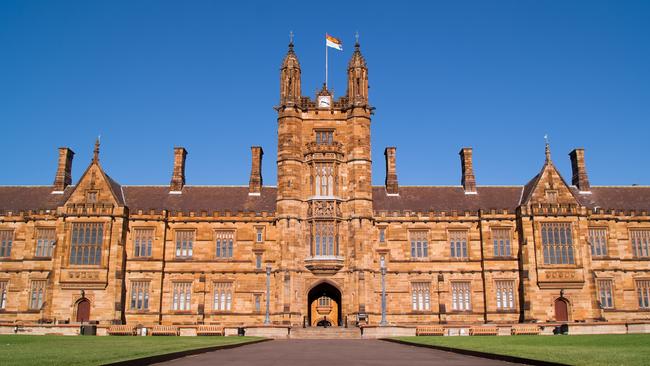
[324,305]
[561,310]
[83,310]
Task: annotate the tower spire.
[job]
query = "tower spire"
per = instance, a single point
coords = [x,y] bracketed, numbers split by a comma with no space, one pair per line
[290,77]
[547,149]
[96,151]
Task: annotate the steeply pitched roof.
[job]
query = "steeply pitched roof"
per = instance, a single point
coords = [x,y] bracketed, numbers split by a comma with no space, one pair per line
[24,198]
[198,198]
[612,197]
[444,198]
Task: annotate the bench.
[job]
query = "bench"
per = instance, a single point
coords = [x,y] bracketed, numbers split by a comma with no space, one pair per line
[525,330]
[164,330]
[123,330]
[483,331]
[209,330]
[430,331]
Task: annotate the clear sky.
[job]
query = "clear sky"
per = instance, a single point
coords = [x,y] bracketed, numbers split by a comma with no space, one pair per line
[494,75]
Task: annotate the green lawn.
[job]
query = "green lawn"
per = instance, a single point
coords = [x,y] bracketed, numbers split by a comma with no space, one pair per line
[628,349]
[79,350]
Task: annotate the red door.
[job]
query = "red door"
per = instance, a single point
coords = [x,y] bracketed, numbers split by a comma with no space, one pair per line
[83,311]
[561,310]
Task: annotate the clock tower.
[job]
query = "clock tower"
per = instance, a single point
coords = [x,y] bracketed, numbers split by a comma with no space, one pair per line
[324,200]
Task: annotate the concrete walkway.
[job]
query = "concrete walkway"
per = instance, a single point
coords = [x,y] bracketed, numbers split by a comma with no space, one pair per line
[330,352]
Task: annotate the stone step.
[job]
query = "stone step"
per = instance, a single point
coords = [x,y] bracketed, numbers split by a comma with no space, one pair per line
[325,333]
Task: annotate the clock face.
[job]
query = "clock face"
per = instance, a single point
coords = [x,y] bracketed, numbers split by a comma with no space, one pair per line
[324,101]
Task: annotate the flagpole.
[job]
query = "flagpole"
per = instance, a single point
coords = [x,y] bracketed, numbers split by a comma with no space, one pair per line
[325,60]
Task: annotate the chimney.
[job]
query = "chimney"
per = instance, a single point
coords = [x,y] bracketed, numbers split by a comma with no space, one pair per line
[579,178]
[392,188]
[468,180]
[178,175]
[63,176]
[255,182]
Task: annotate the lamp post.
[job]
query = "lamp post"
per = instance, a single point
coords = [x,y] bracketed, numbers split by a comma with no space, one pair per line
[383,321]
[267,318]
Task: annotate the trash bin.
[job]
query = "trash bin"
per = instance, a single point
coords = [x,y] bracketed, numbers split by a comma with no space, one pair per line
[241,332]
[88,329]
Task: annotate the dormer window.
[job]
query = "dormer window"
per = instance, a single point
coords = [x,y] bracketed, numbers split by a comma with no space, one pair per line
[324,137]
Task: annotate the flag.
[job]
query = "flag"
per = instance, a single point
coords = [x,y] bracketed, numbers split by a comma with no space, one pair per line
[333,42]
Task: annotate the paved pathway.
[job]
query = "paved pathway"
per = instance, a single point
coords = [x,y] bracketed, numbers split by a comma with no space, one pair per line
[330,352]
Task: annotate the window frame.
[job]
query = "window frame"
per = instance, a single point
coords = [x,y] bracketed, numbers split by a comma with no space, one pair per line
[140,287]
[222,296]
[640,250]
[97,245]
[6,242]
[187,248]
[320,132]
[181,295]
[324,237]
[37,294]
[4,292]
[605,289]
[456,245]
[225,241]
[465,300]
[260,232]
[44,245]
[497,251]
[556,247]
[419,246]
[149,244]
[601,245]
[507,287]
[420,296]
[642,287]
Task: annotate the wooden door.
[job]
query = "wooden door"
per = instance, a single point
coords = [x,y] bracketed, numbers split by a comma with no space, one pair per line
[83,311]
[561,310]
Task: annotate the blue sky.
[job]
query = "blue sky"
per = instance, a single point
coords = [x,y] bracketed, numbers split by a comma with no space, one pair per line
[494,75]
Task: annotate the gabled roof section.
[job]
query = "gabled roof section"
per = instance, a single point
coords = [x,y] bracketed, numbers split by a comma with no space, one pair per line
[616,197]
[548,179]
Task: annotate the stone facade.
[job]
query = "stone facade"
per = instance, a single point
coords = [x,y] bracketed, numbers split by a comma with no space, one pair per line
[183,254]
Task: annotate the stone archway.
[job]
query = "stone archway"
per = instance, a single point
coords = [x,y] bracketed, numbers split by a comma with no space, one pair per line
[324,305]
[83,310]
[561,310]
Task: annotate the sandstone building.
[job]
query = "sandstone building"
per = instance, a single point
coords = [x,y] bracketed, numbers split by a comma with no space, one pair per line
[183,254]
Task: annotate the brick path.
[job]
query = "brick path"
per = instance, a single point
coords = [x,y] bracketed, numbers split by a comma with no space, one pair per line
[330,352]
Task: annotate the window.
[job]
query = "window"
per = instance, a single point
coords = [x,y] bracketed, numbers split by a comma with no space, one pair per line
[419,244]
[37,294]
[324,301]
[458,244]
[3,294]
[140,295]
[86,243]
[324,137]
[6,239]
[323,179]
[420,298]
[184,243]
[142,242]
[224,244]
[91,196]
[557,243]
[460,296]
[259,234]
[598,241]
[605,295]
[501,240]
[505,294]
[257,299]
[551,196]
[382,234]
[45,238]
[182,296]
[258,261]
[222,296]
[643,291]
[640,242]
[324,240]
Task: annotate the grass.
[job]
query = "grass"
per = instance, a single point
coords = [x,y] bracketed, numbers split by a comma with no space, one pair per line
[79,350]
[593,350]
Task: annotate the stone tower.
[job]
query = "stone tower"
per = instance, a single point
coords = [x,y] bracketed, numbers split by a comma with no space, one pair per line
[324,199]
